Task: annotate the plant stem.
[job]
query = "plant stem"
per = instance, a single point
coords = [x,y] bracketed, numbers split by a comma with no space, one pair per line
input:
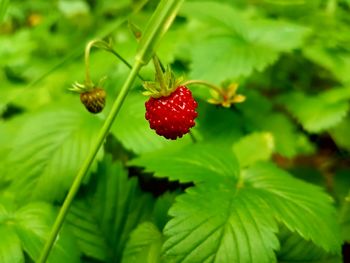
[107,47]
[88,161]
[193,138]
[201,82]
[88,47]
[115,53]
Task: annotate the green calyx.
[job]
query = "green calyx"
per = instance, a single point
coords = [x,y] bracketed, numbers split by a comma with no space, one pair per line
[165,82]
[86,87]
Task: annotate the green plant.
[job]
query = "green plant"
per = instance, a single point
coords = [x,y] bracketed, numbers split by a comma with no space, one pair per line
[263,176]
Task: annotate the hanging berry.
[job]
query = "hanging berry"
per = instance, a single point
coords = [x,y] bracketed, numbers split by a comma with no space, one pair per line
[171,109]
[92,96]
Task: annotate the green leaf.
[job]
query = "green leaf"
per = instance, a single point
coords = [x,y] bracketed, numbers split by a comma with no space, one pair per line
[227,126]
[25,229]
[10,245]
[300,206]
[340,133]
[133,131]
[336,61]
[144,245]
[220,223]
[254,147]
[3,8]
[295,249]
[102,222]
[90,238]
[320,112]
[288,140]
[237,44]
[197,162]
[236,221]
[161,207]
[48,151]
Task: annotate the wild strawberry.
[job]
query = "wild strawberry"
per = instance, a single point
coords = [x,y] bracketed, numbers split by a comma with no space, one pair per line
[172,116]
[94,100]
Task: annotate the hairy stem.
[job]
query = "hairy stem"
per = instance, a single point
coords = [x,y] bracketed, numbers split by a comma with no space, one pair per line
[204,83]
[88,47]
[115,53]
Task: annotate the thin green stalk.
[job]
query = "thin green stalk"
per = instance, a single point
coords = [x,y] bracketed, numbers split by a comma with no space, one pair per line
[204,83]
[88,161]
[115,53]
[101,44]
[88,47]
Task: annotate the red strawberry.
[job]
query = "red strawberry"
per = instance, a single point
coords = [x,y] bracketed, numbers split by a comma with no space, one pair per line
[94,100]
[172,116]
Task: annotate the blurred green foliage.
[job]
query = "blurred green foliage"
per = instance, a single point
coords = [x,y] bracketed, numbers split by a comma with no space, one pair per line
[247,170]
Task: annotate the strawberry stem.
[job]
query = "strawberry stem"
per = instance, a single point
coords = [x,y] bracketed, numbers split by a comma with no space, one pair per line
[107,47]
[204,83]
[88,82]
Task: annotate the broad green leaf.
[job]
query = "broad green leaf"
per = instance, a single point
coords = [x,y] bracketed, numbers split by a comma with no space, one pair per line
[340,133]
[144,245]
[3,8]
[220,223]
[259,116]
[294,249]
[10,245]
[254,147]
[237,44]
[289,141]
[133,131]
[300,206]
[236,221]
[197,162]
[103,220]
[320,112]
[26,228]
[85,226]
[160,214]
[48,151]
[217,124]
[336,61]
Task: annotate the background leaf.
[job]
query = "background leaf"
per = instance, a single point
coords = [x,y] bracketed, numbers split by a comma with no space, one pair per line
[237,44]
[295,249]
[48,151]
[254,147]
[26,228]
[288,198]
[195,162]
[317,113]
[220,223]
[144,245]
[102,223]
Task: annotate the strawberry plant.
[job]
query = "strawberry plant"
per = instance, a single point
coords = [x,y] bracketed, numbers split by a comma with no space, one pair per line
[175,131]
